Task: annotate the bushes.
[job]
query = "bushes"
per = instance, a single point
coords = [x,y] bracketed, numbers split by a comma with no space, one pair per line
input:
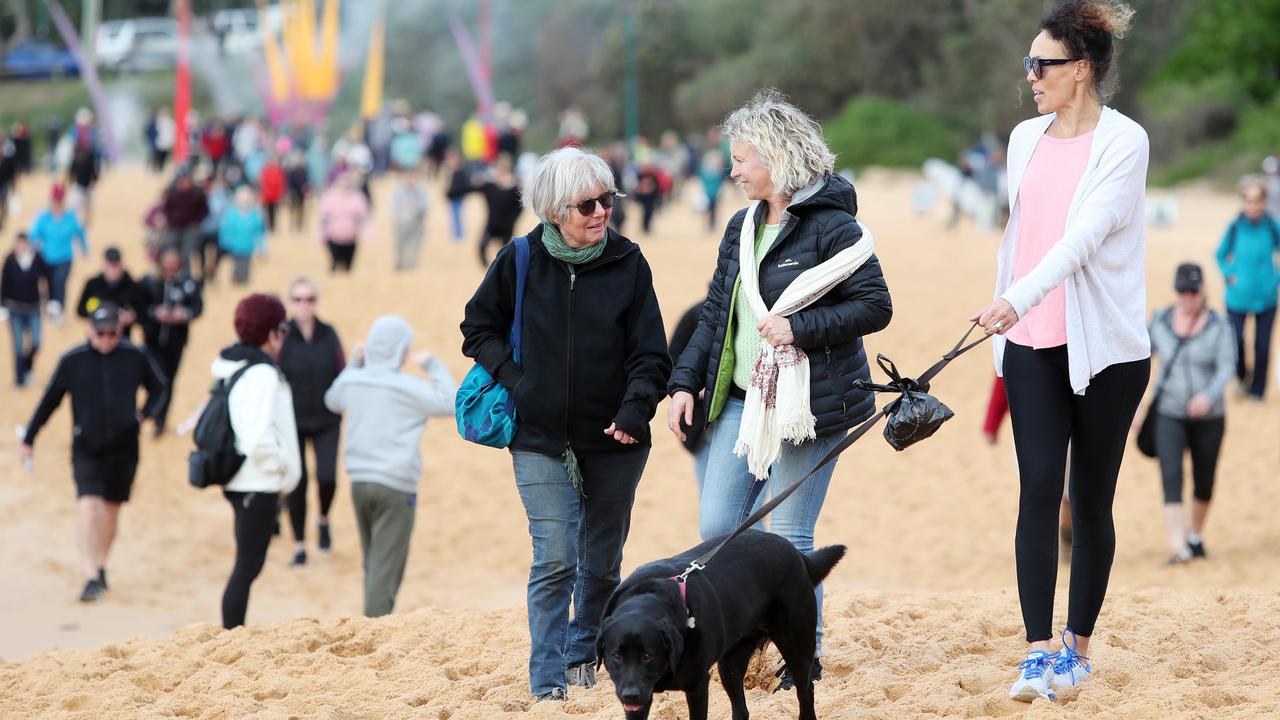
[873,131]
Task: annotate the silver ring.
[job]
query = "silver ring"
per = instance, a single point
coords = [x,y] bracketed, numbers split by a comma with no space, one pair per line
[999,327]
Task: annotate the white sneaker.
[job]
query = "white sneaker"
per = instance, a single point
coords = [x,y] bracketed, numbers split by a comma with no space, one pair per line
[1035,678]
[1069,667]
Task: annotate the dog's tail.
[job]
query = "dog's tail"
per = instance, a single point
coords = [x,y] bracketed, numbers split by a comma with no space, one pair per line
[820,561]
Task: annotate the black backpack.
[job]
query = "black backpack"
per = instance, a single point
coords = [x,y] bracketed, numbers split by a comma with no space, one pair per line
[215,460]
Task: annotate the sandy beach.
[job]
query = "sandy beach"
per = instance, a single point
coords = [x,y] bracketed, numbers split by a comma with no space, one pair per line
[922,614]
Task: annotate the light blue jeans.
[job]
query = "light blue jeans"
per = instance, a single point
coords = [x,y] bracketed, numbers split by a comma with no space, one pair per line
[577,553]
[730,493]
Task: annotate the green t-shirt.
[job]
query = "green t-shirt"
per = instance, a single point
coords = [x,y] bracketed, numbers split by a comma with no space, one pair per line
[746,339]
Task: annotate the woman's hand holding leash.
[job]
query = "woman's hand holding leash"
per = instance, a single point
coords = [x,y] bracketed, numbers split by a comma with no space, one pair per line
[997,318]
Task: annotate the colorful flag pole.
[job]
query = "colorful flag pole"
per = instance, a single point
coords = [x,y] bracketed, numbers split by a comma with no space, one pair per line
[371,95]
[182,83]
[89,74]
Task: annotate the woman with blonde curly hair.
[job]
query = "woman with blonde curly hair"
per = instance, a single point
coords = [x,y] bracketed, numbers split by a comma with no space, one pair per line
[779,347]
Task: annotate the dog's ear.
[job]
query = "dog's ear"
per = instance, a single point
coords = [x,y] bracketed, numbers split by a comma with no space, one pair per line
[674,643]
[600,642]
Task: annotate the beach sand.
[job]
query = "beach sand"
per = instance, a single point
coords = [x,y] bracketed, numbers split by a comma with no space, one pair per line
[922,614]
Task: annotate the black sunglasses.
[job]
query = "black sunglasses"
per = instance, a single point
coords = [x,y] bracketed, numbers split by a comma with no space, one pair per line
[304,298]
[107,333]
[1036,66]
[587,207]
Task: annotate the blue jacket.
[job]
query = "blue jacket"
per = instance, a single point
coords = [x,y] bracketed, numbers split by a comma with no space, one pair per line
[54,236]
[241,233]
[1247,258]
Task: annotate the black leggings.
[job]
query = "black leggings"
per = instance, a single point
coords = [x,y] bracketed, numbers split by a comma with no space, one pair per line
[1174,436]
[255,517]
[341,255]
[1047,416]
[325,443]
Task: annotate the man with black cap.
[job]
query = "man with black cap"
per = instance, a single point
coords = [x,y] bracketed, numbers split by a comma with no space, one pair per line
[102,376]
[169,301]
[113,285]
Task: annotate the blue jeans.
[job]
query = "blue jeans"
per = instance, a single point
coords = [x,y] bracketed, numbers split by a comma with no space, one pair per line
[23,325]
[577,553]
[1262,324]
[731,493]
[57,276]
[455,214]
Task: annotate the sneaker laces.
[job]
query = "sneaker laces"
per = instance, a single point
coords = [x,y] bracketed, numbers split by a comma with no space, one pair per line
[1068,659]
[1035,664]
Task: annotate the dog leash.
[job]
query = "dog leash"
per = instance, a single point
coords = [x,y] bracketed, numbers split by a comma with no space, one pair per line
[898,384]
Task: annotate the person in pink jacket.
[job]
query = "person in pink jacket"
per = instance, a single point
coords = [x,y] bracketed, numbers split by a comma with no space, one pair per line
[343,213]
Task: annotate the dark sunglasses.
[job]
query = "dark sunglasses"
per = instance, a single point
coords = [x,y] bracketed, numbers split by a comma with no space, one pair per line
[1036,66]
[304,298]
[587,207]
[108,333]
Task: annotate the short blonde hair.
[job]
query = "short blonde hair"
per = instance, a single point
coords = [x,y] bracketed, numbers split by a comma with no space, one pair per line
[560,177]
[1253,182]
[788,141]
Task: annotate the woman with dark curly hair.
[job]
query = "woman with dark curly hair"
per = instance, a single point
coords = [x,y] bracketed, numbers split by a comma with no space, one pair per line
[1069,319]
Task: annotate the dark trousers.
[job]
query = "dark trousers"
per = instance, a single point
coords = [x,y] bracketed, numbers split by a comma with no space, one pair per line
[271,215]
[325,444]
[1046,417]
[255,515]
[341,256]
[1262,324]
[298,209]
[1174,437]
[169,357]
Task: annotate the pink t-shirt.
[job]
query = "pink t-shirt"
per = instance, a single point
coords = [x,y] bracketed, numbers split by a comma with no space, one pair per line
[1044,198]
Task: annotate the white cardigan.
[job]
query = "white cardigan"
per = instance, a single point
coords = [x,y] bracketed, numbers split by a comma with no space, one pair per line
[261,407]
[1100,259]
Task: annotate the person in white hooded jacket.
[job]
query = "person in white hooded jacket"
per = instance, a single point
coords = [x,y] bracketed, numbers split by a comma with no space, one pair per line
[261,409]
[387,411]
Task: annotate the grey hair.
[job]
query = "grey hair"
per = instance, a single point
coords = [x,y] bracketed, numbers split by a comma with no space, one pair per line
[303,280]
[560,177]
[1252,182]
[788,141]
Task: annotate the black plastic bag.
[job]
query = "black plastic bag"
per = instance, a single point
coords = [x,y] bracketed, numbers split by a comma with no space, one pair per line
[915,415]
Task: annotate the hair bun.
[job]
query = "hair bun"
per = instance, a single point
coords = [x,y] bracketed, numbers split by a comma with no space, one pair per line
[1116,16]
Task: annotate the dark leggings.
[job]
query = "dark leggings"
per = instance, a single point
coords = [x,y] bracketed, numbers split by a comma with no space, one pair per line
[341,255]
[1047,416]
[1174,436]
[255,517]
[325,443]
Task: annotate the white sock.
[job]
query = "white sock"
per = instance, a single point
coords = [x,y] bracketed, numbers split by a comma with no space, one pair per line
[1194,539]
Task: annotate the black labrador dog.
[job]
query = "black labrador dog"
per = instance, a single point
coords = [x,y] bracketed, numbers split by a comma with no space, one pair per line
[659,634]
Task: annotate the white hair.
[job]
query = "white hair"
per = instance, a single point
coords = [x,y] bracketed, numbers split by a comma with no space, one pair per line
[788,141]
[560,178]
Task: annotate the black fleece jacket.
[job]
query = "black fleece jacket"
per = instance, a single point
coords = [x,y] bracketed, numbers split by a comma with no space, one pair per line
[830,330]
[104,397]
[594,349]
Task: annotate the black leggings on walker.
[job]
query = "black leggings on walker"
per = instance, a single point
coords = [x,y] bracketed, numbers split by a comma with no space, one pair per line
[255,514]
[1174,437]
[1046,416]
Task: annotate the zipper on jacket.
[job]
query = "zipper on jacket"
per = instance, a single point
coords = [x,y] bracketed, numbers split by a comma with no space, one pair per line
[835,381]
[568,385]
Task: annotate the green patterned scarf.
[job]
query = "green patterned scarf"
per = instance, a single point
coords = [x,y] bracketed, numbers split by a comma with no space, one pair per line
[555,244]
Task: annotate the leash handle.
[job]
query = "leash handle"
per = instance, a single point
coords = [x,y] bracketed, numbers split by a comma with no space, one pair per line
[891,370]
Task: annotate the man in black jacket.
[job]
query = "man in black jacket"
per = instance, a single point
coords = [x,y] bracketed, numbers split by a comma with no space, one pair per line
[170,300]
[113,285]
[103,377]
[23,272]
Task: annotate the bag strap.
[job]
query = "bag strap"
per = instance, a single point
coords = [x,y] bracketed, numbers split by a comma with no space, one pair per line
[1167,318]
[900,385]
[522,275]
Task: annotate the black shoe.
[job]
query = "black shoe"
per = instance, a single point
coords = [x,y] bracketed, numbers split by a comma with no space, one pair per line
[102,578]
[326,542]
[92,591]
[1197,550]
[557,695]
[299,558]
[158,430]
[786,682]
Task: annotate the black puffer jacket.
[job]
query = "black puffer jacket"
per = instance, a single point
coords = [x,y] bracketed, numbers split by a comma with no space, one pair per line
[830,330]
[594,350]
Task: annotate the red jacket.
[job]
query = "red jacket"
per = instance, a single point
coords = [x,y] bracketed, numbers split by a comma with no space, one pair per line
[271,183]
[215,145]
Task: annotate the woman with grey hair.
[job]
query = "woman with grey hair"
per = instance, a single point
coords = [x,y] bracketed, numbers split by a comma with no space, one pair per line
[593,364]
[812,290]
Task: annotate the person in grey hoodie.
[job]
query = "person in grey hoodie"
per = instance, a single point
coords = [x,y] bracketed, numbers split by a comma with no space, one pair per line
[386,412]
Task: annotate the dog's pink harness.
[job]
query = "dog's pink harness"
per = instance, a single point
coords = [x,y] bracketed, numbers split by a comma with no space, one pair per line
[684,597]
